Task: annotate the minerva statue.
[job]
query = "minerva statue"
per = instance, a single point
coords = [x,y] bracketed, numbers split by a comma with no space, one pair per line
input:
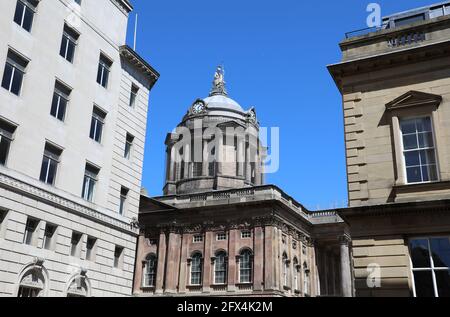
[219,82]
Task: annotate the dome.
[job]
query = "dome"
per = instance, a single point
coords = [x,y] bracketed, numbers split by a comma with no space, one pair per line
[222,102]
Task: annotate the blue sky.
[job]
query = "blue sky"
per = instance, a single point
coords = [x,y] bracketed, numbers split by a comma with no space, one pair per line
[275,54]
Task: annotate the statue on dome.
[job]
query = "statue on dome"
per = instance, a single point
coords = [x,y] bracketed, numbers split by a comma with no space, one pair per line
[219,82]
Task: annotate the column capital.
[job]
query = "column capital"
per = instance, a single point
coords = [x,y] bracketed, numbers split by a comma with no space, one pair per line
[344,239]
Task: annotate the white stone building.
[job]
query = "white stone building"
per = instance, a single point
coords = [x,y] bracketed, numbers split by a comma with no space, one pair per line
[73,113]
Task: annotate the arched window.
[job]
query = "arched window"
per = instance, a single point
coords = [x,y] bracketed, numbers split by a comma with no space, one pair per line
[196,269]
[296,273]
[150,265]
[246,265]
[285,270]
[33,281]
[220,268]
[79,286]
[306,282]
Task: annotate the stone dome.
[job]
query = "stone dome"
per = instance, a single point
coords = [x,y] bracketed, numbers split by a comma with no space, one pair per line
[222,102]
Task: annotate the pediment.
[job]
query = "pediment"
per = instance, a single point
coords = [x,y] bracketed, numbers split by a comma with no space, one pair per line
[231,124]
[413,99]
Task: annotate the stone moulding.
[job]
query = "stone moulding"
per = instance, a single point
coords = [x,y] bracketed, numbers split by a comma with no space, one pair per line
[23,188]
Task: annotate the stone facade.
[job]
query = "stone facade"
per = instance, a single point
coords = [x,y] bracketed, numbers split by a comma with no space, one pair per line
[52,241]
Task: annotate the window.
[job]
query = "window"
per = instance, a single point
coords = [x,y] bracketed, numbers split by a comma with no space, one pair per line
[30,231]
[123,199]
[245,267]
[196,269]
[60,101]
[104,66]
[6,136]
[150,265]
[419,150]
[197,169]
[97,122]
[430,258]
[296,273]
[128,146]
[198,238]
[118,257]
[75,244]
[50,164]
[68,44]
[409,20]
[14,73]
[24,14]
[246,234]
[220,268]
[221,237]
[2,216]
[285,270]
[89,182]
[91,244]
[133,95]
[49,236]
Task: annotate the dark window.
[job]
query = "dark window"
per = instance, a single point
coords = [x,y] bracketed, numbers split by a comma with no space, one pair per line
[48,236]
[75,249]
[246,265]
[97,123]
[150,271]
[220,268]
[90,248]
[123,199]
[50,163]
[118,252]
[14,73]
[133,95]
[30,230]
[409,20]
[196,269]
[68,43]
[60,101]
[104,67]
[90,180]
[6,135]
[128,146]
[24,14]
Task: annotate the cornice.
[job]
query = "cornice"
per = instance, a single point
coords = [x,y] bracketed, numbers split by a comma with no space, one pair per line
[148,71]
[123,5]
[21,187]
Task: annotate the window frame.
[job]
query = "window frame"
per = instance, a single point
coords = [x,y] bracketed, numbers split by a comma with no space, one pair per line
[32,8]
[51,157]
[196,240]
[104,63]
[92,254]
[18,64]
[248,269]
[7,131]
[49,242]
[75,249]
[152,274]
[222,269]
[118,260]
[70,39]
[431,269]
[199,256]
[30,239]
[403,151]
[246,234]
[221,234]
[90,180]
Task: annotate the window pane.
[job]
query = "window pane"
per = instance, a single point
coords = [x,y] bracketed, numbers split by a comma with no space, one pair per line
[52,172]
[44,168]
[410,142]
[419,253]
[62,109]
[440,250]
[99,74]
[19,12]
[414,175]
[28,19]
[443,283]
[412,158]
[62,50]
[427,157]
[408,126]
[17,82]
[424,124]
[423,282]
[7,76]
[4,149]
[426,139]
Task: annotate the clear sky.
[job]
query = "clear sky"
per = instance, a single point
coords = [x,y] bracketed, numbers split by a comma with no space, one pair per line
[275,54]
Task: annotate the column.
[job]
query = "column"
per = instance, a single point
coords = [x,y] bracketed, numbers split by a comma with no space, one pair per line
[183,263]
[232,273]
[207,262]
[248,166]
[269,270]
[258,279]
[206,153]
[325,279]
[172,264]
[187,161]
[346,277]
[257,169]
[240,157]
[219,154]
[161,264]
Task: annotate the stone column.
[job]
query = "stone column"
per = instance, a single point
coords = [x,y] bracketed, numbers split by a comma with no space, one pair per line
[187,161]
[232,273]
[161,264]
[269,270]
[172,164]
[172,264]
[220,155]
[248,166]
[346,276]
[325,279]
[257,169]
[240,157]
[258,279]
[207,262]
[205,165]
[183,263]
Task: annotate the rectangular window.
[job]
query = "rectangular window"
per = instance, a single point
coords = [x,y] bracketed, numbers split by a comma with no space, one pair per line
[97,123]
[128,146]
[246,234]
[409,20]
[419,150]
[123,200]
[221,237]
[75,244]
[197,169]
[24,15]
[30,231]
[14,72]
[104,68]
[6,136]
[68,43]
[133,95]
[91,249]
[50,163]
[60,101]
[49,236]
[430,258]
[118,257]
[198,238]
[90,180]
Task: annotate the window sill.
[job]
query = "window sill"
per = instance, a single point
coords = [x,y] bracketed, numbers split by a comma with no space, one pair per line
[418,187]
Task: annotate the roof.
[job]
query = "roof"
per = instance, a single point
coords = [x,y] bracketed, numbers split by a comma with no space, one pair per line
[143,66]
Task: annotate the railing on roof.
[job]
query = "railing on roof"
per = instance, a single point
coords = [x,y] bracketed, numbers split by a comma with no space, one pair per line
[365,31]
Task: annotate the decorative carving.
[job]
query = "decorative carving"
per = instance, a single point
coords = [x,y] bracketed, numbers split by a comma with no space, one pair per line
[251,115]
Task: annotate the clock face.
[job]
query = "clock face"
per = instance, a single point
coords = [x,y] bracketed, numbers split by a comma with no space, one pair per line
[199,107]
